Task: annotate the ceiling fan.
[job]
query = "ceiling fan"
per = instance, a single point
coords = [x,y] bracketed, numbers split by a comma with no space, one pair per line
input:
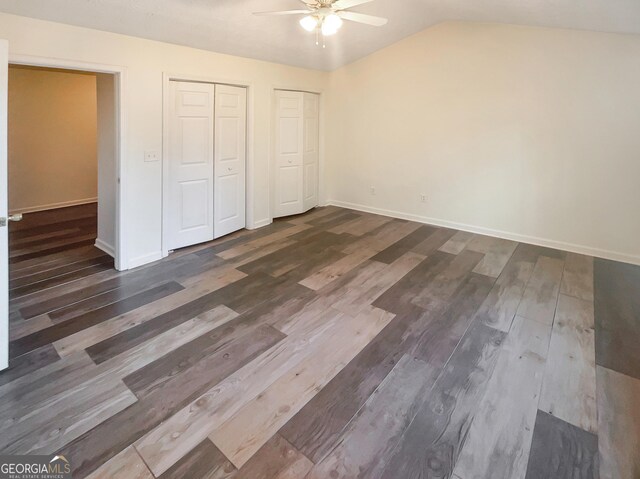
[325,16]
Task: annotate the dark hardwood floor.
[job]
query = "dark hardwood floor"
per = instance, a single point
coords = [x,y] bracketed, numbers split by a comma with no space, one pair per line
[335,344]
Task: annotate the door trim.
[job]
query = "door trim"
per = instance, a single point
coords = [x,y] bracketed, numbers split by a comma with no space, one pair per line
[120,76]
[4,204]
[249,179]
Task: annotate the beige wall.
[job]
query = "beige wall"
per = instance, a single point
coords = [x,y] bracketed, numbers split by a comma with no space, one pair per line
[526,133]
[145,62]
[52,138]
[522,132]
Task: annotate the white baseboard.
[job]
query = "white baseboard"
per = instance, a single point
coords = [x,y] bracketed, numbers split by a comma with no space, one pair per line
[260,224]
[53,206]
[549,243]
[107,248]
[145,259]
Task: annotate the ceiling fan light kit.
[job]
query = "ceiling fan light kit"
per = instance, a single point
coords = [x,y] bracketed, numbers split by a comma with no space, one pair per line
[331,24]
[326,16]
[309,23]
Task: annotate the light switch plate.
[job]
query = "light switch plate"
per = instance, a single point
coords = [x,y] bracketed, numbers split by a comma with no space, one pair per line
[151,156]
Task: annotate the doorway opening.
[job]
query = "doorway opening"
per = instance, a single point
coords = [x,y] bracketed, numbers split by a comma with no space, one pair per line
[63,176]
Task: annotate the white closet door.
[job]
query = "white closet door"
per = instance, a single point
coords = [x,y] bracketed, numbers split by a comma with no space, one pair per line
[190,214]
[289,153]
[310,151]
[230,159]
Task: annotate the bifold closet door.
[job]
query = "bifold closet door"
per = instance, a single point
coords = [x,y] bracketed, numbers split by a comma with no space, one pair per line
[207,162]
[310,151]
[190,213]
[289,157]
[289,153]
[230,159]
[297,152]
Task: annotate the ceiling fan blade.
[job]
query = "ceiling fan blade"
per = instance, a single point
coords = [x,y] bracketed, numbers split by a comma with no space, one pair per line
[284,12]
[344,4]
[362,18]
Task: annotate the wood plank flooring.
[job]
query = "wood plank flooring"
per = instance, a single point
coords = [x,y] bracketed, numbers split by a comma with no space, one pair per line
[334,344]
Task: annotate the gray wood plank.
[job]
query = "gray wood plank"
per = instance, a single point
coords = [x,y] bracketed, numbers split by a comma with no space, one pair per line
[372,435]
[123,322]
[77,275]
[134,281]
[393,252]
[104,441]
[317,212]
[430,336]
[431,443]
[204,462]
[541,294]
[196,358]
[362,225]
[126,465]
[496,252]
[562,451]
[302,259]
[457,243]
[91,318]
[166,444]
[577,279]
[27,363]
[241,296]
[32,384]
[277,459]
[434,241]
[248,247]
[59,420]
[501,305]
[569,387]
[213,248]
[448,324]
[617,309]
[499,440]
[258,420]
[317,426]
[69,376]
[19,328]
[383,236]
[39,277]
[618,424]
[338,217]
[399,297]
[363,291]
[336,269]
[447,281]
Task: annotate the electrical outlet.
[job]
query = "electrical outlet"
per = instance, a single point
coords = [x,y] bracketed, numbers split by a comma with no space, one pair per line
[373,191]
[423,198]
[151,156]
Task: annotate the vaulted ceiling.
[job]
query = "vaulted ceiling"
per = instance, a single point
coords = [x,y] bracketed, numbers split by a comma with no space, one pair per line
[228,26]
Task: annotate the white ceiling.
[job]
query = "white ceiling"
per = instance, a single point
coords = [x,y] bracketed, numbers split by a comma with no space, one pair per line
[228,26]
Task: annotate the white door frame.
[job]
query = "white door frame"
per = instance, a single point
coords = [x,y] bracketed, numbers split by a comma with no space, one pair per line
[322,198]
[4,209]
[120,75]
[249,180]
